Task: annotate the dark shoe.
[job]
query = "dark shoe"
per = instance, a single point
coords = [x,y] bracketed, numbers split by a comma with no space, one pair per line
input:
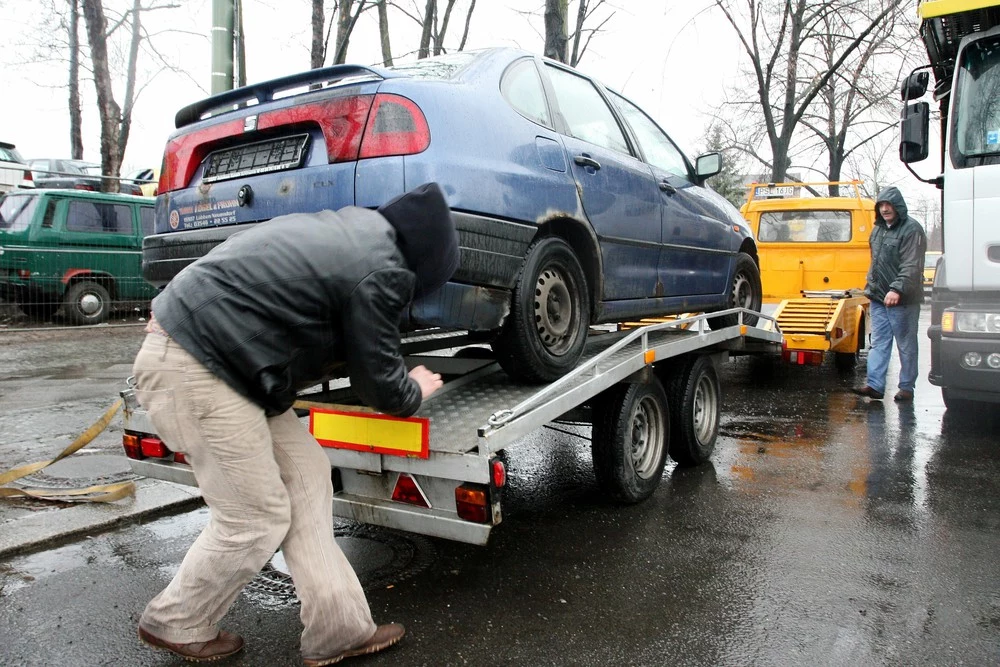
[224,645]
[868,392]
[903,396]
[384,637]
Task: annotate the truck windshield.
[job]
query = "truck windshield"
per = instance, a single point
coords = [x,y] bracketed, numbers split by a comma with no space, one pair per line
[975,122]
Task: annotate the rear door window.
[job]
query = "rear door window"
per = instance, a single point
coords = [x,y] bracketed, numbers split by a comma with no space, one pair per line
[805,226]
[16,212]
[88,216]
[586,114]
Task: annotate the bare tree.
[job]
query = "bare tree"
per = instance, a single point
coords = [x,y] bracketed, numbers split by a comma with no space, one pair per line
[344,16]
[777,37]
[555,29]
[434,24]
[75,107]
[383,31]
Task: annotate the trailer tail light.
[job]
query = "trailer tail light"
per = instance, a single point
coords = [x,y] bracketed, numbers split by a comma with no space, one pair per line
[396,126]
[498,473]
[473,503]
[803,357]
[154,447]
[133,449]
[179,457]
[408,491]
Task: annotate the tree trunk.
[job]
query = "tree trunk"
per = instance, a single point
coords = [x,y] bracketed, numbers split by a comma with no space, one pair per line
[468,20]
[383,31]
[93,15]
[443,30]
[317,53]
[555,29]
[75,112]
[133,59]
[425,35]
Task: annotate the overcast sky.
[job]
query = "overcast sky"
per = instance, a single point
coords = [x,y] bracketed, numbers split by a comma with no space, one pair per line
[672,57]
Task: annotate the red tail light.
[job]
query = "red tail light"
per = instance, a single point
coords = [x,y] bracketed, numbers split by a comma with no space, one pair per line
[407,491]
[28,177]
[179,457]
[472,503]
[499,473]
[84,186]
[132,448]
[154,447]
[396,126]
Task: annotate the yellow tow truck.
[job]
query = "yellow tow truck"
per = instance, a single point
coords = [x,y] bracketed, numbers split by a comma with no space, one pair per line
[814,258]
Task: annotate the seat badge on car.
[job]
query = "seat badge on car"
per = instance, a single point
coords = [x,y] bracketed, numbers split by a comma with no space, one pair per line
[250,123]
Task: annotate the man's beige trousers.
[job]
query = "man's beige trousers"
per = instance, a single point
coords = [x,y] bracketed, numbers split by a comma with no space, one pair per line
[267,484]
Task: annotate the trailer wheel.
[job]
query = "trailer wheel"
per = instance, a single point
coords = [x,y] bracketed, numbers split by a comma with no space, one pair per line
[87,303]
[695,398]
[745,292]
[630,439]
[846,361]
[546,330]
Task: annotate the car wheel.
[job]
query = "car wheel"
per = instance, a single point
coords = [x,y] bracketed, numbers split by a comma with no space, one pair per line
[630,439]
[87,303]
[546,330]
[695,398]
[745,292]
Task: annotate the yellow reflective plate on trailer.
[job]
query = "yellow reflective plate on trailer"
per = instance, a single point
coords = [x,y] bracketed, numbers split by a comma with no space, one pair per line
[371,432]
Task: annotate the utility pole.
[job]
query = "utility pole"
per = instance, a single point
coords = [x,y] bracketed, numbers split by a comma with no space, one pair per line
[222,45]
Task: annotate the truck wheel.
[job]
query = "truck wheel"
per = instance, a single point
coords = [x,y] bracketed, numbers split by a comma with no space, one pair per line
[695,398]
[745,292]
[87,303]
[954,404]
[546,330]
[630,439]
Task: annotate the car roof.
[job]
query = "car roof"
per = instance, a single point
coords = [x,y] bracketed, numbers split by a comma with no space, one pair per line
[67,193]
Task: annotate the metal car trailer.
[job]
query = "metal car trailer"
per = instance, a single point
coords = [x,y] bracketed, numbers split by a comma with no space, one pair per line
[648,392]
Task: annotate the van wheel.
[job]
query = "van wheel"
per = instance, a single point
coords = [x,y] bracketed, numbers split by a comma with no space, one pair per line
[42,312]
[546,330]
[630,439]
[87,303]
[745,292]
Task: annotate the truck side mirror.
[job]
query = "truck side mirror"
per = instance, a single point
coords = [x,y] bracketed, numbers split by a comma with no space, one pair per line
[707,165]
[914,131]
[914,86]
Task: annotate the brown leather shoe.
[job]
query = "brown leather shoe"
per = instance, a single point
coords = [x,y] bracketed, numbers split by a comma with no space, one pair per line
[224,645]
[868,392]
[903,396]
[384,637]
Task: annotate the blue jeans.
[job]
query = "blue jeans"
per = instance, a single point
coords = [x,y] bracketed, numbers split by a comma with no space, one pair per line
[899,323]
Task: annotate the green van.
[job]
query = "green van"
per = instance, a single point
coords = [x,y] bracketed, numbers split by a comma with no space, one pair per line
[75,251]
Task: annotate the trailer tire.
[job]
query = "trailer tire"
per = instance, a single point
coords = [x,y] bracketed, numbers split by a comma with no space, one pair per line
[630,439]
[695,397]
[744,292]
[87,303]
[846,361]
[546,330]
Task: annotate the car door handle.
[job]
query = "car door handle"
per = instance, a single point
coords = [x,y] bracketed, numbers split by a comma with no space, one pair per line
[666,187]
[587,161]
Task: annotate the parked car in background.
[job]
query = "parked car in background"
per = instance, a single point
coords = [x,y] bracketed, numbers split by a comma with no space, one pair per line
[147,180]
[74,174]
[74,252]
[14,172]
[573,206]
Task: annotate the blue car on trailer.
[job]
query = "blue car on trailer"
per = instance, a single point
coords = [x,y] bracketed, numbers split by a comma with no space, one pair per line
[573,206]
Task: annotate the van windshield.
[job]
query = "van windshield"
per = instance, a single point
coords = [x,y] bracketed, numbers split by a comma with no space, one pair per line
[16,212]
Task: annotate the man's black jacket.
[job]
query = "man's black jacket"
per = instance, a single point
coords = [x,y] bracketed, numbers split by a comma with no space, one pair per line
[897,253]
[274,307]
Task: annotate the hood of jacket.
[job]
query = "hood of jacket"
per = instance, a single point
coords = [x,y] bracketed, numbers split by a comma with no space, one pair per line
[425,234]
[893,196]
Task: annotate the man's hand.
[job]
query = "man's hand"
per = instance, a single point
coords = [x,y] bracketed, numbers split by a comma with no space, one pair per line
[891,299]
[429,382]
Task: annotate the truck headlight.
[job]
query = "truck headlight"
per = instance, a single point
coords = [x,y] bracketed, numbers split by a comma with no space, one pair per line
[967,322]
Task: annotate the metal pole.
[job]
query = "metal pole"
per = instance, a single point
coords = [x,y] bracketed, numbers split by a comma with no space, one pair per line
[222,46]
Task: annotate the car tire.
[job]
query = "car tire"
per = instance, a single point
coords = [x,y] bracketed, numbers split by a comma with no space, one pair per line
[695,398]
[87,303]
[546,330]
[630,439]
[744,292]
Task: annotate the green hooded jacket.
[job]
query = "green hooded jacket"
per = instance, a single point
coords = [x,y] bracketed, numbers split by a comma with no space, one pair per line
[897,253]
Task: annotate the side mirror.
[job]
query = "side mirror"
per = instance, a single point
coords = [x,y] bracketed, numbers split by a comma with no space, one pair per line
[914,132]
[707,165]
[914,86]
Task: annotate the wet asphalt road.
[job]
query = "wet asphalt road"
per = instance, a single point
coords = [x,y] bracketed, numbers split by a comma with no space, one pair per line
[827,530]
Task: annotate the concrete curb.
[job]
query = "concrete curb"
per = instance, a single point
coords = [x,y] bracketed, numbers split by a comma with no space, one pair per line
[52,522]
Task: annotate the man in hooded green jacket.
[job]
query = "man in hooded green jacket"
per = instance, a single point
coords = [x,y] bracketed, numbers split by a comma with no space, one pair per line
[895,288]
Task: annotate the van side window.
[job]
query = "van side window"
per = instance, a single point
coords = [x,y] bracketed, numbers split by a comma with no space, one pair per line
[805,226]
[50,213]
[86,216]
[146,219]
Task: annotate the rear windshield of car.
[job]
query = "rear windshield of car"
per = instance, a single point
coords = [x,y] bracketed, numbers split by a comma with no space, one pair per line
[805,226]
[10,155]
[16,212]
[438,67]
